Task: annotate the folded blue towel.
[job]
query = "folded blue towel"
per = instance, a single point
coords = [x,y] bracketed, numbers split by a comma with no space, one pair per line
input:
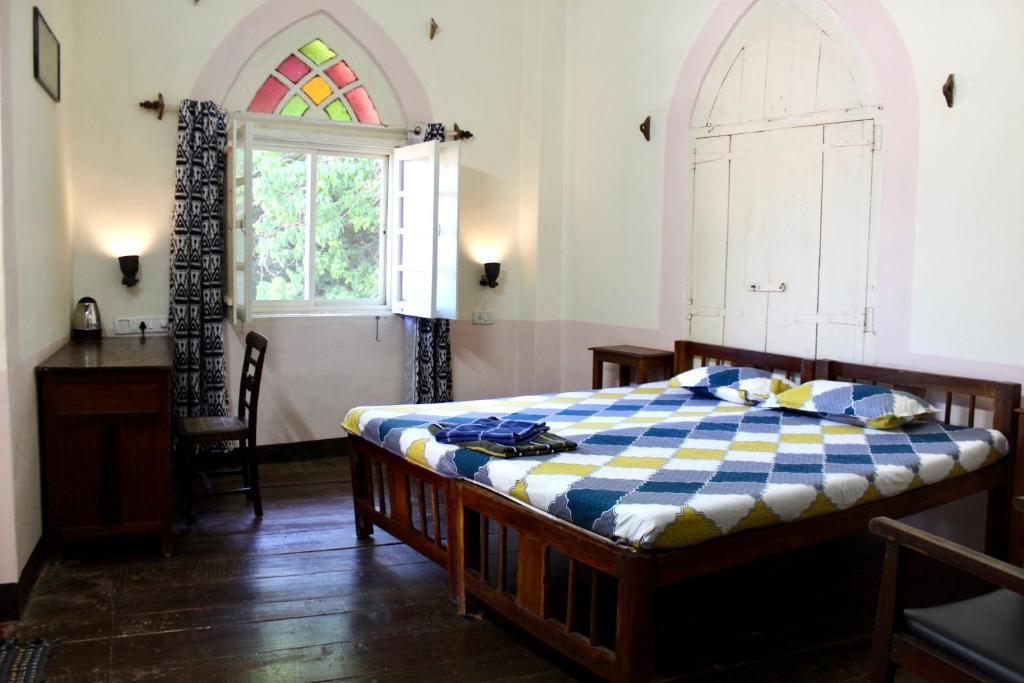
[505,432]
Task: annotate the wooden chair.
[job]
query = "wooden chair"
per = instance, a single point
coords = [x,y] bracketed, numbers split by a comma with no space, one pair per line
[242,428]
[979,639]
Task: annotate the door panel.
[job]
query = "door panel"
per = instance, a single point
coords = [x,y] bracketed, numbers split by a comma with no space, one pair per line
[774,218]
[781,230]
[845,234]
[710,239]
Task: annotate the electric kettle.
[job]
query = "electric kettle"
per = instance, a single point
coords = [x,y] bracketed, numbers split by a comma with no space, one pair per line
[85,323]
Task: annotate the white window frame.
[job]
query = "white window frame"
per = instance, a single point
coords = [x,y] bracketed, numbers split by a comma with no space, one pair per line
[250,132]
[254,132]
[312,305]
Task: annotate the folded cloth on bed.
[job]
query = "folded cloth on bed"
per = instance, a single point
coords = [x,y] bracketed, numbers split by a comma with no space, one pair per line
[491,429]
[542,443]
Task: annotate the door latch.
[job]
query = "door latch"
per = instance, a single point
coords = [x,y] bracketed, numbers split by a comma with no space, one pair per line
[764,287]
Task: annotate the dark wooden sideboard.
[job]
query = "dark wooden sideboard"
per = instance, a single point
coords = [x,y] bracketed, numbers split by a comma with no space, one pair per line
[105,440]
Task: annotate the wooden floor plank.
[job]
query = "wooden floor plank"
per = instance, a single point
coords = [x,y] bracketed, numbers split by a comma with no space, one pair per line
[332,661]
[411,624]
[155,575]
[278,588]
[227,615]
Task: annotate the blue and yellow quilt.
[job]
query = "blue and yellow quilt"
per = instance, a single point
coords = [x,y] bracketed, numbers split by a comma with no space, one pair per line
[660,467]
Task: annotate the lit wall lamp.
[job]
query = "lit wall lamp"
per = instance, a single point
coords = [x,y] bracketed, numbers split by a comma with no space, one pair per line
[490,276]
[130,270]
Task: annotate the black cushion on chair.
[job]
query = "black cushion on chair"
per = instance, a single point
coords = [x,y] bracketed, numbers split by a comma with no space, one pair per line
[986,632]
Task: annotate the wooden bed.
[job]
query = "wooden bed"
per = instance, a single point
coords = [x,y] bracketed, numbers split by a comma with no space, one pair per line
[499,553]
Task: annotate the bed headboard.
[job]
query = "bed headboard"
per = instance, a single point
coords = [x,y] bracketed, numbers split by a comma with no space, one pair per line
[958,395]
[695,355]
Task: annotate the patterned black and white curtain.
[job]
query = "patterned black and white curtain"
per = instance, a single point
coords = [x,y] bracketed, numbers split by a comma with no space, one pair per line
[428,349]
[428,361]
[197,246]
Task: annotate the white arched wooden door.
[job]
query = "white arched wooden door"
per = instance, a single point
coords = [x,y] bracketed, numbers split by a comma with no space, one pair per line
[785,135]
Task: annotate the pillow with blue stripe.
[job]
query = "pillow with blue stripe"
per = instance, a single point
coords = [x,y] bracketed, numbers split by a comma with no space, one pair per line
[859,404]
[746,386]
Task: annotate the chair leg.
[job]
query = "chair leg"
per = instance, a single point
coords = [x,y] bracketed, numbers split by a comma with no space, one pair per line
[254,478]
[244,466]
[890,606]
[186,456]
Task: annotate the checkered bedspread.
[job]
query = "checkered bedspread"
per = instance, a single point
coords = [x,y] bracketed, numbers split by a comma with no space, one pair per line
[659,467]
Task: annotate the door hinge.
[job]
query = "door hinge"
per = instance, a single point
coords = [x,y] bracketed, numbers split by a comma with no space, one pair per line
[865,320]
[714,312]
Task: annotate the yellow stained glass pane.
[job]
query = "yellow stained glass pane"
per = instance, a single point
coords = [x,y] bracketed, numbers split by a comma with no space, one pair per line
[317,89]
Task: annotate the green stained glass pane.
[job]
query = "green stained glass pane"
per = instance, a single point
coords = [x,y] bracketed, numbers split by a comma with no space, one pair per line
[317,51]
[337,111]
[296,107]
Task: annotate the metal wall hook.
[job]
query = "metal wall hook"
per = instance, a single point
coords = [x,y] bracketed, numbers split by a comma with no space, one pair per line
[156,105]
[949,90]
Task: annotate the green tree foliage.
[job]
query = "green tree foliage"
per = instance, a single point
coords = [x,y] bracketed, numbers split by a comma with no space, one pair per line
[348,218]
[348,215]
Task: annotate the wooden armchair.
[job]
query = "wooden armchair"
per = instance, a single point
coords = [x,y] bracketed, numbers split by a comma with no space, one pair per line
[979,639]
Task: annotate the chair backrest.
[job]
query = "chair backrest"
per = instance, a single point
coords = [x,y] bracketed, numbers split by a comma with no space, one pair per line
[252,374]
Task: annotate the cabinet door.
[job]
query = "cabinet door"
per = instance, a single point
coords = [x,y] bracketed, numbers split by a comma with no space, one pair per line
[107,446]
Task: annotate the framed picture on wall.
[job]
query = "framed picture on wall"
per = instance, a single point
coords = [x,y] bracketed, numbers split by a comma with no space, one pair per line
[46,55]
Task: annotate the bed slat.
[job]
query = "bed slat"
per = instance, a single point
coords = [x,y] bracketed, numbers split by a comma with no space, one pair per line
[570,598]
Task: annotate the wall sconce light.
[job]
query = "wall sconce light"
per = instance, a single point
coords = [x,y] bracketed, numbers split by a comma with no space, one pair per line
[130,269]
[490,276]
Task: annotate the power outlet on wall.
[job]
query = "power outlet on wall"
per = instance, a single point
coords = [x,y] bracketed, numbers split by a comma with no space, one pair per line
[483,318]
[155,324]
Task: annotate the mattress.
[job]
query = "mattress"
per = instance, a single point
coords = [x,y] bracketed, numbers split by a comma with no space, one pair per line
[660,467]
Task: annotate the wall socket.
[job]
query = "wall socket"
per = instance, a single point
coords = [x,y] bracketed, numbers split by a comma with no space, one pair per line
[483,318]
[155,324]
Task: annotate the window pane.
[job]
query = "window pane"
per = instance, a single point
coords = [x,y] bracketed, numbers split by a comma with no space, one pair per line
[348,216]
[279,186]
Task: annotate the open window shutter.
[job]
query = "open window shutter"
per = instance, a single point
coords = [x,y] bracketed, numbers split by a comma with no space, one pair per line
[239,211]
[446,272]
[414,229]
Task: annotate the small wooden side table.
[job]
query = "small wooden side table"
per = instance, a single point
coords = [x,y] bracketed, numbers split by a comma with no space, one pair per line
[630,358]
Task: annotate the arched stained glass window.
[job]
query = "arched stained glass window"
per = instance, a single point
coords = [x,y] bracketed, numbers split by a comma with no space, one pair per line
[315,78]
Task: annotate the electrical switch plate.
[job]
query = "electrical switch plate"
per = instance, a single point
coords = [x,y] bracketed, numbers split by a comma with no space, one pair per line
[155,324]
[483,318]
[123,326]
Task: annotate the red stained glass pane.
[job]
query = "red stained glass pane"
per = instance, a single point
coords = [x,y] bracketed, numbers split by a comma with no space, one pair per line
[341,74]
[268,96]
[293,68]
[362,105]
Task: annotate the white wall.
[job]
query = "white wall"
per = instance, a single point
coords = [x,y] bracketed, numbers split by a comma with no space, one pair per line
[559,184]
[968,239]
[124,172]
[37,261]
[624,61]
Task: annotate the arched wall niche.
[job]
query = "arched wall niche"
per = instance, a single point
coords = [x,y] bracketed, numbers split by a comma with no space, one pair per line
[266,59]
[381,59]
[784,173]
[785,59]
[882,45]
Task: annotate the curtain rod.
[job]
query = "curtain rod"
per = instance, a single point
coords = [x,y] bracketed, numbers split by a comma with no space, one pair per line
[160,108]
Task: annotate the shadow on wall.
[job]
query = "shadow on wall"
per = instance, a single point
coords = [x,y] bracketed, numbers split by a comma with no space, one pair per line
[318,368]
[287,420]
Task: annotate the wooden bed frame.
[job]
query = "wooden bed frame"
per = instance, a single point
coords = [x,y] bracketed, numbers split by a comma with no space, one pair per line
[499,552]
